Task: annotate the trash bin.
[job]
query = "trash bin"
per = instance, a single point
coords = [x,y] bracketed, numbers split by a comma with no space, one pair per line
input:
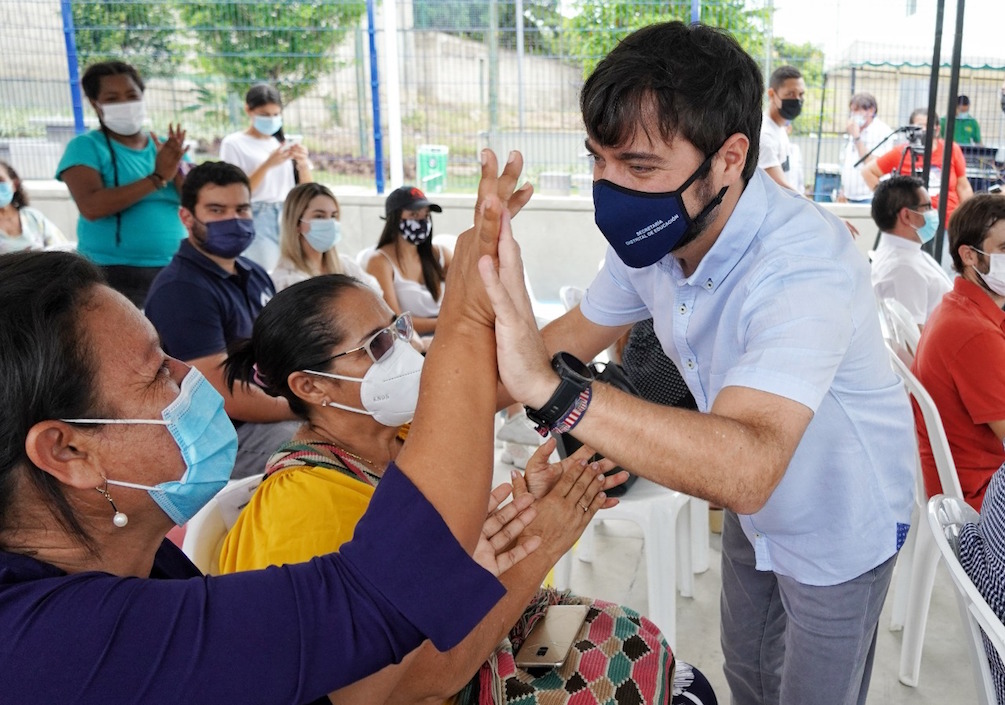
[431,167]
[827,183]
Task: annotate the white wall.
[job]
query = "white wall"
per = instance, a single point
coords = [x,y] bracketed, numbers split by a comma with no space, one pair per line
[561,244]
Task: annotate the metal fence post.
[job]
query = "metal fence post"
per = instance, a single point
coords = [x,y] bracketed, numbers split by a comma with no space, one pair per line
[72,68]
[378,139]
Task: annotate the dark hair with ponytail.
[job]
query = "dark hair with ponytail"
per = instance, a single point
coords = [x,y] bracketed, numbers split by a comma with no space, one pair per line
[46,367]
[297,330]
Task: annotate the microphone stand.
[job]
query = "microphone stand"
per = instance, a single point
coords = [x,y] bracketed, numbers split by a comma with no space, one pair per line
[869,153]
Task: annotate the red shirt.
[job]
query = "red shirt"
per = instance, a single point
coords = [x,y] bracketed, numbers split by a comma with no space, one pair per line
[959,362]
[893,160]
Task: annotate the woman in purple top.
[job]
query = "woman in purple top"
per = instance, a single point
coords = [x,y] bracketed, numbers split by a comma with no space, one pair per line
[105,443]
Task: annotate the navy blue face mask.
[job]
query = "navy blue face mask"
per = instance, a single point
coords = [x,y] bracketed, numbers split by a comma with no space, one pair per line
[644,227]
[228,238]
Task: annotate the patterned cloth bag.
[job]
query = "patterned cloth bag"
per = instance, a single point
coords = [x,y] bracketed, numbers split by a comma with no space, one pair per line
[618,658]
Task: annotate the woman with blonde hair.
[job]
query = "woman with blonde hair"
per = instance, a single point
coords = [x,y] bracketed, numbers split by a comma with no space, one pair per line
[309,231]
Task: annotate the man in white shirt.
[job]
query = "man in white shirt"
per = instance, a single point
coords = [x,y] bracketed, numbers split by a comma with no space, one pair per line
[786,91]
[903,211]
[865,131]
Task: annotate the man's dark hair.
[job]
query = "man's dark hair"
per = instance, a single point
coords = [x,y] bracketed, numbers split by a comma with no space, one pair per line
[46,367]
[216,173]
[970,224]
[91,81]
[691,80]
[963,100]
[863,101]
[891,195]
[782,74]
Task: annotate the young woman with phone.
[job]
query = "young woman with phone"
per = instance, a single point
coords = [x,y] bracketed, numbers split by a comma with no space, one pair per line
[274,164]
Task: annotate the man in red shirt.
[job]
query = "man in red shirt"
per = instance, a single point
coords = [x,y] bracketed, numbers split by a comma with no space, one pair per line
[962,348]
[896,162]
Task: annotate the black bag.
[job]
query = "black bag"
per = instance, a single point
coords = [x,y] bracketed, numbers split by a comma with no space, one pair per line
[567,443]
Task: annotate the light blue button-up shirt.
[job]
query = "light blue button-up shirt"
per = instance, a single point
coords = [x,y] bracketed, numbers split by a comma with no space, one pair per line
[782,303]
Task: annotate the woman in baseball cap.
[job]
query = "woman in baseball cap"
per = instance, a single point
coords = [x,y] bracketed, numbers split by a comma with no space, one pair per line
[410,268]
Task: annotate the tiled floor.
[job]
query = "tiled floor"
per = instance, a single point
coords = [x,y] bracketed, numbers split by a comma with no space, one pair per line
[618,574]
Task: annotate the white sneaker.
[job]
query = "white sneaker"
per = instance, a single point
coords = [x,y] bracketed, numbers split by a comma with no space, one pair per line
[518,429]
[516,454]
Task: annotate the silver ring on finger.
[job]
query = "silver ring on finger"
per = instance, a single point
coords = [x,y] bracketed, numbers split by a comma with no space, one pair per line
[584,507]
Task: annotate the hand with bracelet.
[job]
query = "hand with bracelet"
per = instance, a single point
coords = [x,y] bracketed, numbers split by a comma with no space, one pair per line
[555,390]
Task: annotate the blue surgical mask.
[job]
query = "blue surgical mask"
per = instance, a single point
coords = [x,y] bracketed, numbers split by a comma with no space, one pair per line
[228,238]
[6,193]
[208,443]
[324,233]
[268,124]
[927,231]
[644,227]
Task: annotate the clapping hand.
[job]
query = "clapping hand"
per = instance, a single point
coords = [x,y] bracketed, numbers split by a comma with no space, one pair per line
[169,152]
[499,546]
[540,475]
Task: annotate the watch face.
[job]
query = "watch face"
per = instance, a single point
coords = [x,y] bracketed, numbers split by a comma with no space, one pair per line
[574,364]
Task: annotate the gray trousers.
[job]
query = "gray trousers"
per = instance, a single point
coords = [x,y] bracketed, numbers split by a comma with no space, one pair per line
[787,643]
[256,442]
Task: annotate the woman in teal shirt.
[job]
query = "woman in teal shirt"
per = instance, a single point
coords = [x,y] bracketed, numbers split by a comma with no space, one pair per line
[125,183]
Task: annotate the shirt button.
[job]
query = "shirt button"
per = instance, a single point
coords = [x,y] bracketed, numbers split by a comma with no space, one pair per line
[690,364]
[683,309]
[708,283]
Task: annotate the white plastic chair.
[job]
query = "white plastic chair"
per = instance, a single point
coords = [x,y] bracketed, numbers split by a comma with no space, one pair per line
[919,555]
[900,330]
[570,296]
[665,519]
[205,531]
[364,255]
[945,514]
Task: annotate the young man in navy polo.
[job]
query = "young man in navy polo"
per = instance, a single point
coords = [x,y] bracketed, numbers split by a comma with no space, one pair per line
[209,296]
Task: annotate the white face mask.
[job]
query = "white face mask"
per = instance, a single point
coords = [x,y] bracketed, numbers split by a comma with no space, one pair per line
[124,118]
[995,278]
[390,388]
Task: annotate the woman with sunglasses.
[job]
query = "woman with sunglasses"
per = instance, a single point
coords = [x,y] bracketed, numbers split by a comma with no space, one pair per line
[337,353]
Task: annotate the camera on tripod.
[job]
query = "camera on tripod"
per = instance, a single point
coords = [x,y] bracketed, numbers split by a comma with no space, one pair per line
[915,138]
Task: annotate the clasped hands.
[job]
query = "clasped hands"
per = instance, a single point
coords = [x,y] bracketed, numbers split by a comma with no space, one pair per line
[552,505]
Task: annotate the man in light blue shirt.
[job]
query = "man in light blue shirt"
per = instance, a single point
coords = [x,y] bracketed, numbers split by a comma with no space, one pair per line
[763,302]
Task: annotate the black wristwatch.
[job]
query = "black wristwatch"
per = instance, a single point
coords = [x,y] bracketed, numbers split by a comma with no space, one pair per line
[574,378]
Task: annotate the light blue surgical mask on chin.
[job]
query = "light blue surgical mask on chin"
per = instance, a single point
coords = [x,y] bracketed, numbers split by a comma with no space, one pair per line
[268,124]
[927,231]
[6,193]
[208,443]
[324,233]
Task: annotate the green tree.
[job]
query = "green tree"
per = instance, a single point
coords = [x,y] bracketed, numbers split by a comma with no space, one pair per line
[470,18]
[142,34]
[286,43]
[598,25]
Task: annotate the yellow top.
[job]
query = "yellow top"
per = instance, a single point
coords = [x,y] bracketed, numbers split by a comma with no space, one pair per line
[296,514]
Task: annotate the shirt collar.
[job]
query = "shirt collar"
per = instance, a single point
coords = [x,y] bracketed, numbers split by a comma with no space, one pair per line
[744,223]
[976,295]
[187,251]
[902,243]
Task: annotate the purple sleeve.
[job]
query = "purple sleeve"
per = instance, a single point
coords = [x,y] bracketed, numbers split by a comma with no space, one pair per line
[279,636]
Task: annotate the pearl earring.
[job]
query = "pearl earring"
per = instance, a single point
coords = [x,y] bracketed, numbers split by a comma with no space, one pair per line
[324,402]
[119,518]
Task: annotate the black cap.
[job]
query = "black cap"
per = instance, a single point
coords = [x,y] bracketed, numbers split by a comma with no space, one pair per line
[963,100]
[408,198]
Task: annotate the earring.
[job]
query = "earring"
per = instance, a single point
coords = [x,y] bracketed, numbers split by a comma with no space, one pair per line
[119,518]
[324,402]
